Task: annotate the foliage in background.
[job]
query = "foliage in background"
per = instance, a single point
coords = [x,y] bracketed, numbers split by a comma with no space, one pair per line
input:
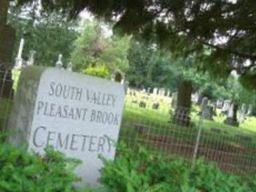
[49,34]
[148,67]
[94,45]
[98,71]
[24,172]
[145,171]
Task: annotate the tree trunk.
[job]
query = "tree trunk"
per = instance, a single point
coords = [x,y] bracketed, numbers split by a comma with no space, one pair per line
[182,111]
[7,40]
[232,120]
[3,11]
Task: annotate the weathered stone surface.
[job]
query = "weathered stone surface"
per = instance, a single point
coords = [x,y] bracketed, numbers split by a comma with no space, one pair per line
[23,106]
[207,112]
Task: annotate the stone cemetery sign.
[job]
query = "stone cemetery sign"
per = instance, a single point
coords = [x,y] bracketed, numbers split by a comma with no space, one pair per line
[75,114]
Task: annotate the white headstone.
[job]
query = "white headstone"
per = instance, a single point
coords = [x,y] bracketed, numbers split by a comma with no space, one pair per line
[231,111]
[76,114]
[204,102]
[123,80]
[19,60]
[242,113]
[59,63]
[155,91]
[70,66]
[249,111]
[219,104]
[226,105]
[31,59]
[161,91]
[174,100]
[195,97]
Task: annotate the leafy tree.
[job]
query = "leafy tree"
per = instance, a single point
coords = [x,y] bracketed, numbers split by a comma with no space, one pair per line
[150,67]
[98,71]
[93,47]
[226,28]
[49,34]
[40,33]
[187,27]
[184,27]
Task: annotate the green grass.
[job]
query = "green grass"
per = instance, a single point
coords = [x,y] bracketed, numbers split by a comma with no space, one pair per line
[157,122]
[15,78]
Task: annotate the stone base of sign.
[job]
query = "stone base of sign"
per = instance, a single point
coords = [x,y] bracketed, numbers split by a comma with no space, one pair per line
[21,117]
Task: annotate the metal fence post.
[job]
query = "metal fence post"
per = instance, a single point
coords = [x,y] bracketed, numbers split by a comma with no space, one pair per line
[197,140]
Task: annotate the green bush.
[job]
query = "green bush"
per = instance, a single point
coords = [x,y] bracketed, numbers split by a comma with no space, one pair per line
[97,70]
[132,171]
[143,171]
[21,171]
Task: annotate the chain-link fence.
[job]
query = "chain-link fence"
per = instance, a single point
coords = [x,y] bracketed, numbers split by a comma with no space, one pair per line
[185,133]
[6,95]
[148,120]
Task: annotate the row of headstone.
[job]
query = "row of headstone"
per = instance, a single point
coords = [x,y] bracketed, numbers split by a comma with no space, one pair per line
[20,63]
[208,108]
[161,92]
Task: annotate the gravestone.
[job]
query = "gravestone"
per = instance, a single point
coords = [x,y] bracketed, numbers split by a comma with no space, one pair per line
[206,109]
[226,106]
[70,66]
[19,60]
[231,116]
[195,97]
[174,100]
[31,58]
[242,113]
[204,103]
[219,104]
[168,93]
[77,115]
[249,111]
[155,91]
[161,91]
[59,63]
[207,112]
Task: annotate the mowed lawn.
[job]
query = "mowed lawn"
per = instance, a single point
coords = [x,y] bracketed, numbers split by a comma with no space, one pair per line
[157,121]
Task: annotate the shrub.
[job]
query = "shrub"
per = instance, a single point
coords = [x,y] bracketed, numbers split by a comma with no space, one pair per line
[21,171]
[144,171]
[97,70]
